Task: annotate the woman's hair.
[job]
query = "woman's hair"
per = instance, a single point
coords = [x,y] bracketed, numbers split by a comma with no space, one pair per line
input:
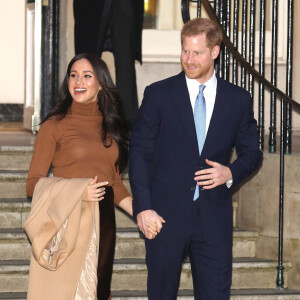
[109,103]
[214,35]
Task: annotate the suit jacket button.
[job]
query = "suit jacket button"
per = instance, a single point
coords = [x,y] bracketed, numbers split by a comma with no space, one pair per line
[193,188]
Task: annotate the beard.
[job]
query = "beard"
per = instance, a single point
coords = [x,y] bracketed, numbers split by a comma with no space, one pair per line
[200,72]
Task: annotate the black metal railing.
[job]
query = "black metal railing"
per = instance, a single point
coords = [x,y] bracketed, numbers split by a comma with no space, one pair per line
[235,61]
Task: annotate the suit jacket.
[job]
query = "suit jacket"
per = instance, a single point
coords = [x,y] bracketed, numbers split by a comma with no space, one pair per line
[61,250]
[93,24]
[164,155]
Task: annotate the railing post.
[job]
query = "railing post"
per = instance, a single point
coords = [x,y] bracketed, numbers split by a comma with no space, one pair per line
[280,268]
[244,40]
[199,8]
[227,14]
[221,55]
[235,40]
[261,91]
[185,12]
[285,126]
[252,44]
[218,61]
[289,77]
[272,138]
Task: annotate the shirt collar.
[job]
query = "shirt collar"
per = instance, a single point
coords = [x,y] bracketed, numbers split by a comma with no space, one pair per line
[210,83]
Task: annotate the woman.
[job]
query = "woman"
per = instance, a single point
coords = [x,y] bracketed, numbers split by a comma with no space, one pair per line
[84,136]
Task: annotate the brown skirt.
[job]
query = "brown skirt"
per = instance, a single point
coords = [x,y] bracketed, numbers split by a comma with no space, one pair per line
[107,244]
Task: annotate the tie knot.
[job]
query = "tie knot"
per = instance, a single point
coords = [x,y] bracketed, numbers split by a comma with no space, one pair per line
[201,88]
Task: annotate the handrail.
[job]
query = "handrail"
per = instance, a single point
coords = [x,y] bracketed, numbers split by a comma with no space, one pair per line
[236,54]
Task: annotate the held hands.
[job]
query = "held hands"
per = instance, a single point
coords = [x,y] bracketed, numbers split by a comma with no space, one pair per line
[212,177]
[149,223]
[95,191]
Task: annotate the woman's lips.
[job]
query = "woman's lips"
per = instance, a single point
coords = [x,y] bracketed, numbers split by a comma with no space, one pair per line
[80,91]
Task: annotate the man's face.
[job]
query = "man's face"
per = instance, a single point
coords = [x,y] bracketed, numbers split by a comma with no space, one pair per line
[197,59]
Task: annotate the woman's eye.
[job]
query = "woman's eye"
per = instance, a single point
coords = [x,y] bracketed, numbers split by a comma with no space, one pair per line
[87,76]
[72,75]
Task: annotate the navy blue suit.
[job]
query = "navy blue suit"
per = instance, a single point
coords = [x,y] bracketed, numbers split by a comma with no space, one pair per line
[164,157]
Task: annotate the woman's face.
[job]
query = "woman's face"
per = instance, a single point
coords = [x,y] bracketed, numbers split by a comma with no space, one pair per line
[83,83]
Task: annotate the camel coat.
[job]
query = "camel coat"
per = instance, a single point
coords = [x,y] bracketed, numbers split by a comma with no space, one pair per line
[60,227]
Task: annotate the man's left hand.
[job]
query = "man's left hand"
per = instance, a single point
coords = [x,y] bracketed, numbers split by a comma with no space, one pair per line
[212,177]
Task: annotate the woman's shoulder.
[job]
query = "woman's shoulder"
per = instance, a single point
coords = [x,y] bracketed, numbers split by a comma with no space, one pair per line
[50,126]
[52,121]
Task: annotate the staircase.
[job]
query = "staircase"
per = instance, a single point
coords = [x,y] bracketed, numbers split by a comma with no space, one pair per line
[253,278]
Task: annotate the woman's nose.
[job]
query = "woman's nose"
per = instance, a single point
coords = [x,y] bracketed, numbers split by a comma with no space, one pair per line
[78,79]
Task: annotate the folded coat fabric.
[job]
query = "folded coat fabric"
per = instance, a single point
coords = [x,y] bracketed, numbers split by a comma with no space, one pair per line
[64,232]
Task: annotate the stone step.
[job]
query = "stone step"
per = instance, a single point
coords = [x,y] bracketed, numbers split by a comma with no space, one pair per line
[14,276]
[15,157]
[123,219]
[14,244]
[130,245]
[131,274]
[247,273]
[14,212]
[13,183]
[247,294]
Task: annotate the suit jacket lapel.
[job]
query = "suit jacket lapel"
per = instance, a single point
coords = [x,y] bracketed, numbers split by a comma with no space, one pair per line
[183,107]
[216,118]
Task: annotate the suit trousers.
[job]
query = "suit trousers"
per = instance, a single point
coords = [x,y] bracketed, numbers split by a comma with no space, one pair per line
[107,244]
[102,25]
[211,263]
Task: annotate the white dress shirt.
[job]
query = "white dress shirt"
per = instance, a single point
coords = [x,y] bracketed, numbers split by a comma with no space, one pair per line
[210,98]
[209,95]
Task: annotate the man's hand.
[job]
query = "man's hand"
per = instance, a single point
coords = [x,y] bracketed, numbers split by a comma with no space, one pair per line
[144,219]
[212,177]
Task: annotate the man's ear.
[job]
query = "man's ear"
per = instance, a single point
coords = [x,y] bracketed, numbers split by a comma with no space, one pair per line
[215,51]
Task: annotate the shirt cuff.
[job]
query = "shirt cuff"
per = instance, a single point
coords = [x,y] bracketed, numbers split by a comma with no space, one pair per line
[229,183]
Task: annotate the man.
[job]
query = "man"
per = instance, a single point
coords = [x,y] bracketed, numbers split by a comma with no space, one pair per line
[116,26]
[180,170]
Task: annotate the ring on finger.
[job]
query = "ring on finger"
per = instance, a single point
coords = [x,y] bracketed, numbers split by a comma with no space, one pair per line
[213,181]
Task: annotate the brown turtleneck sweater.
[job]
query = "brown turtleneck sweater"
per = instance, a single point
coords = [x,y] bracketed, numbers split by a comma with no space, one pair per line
[74,148]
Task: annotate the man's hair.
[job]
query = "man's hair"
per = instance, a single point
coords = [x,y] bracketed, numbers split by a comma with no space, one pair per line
[200,26]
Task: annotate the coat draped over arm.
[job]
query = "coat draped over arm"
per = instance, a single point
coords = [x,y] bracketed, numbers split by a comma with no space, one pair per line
[64,233]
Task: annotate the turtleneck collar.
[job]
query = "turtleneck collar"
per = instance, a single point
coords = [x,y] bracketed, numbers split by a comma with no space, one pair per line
[86,109]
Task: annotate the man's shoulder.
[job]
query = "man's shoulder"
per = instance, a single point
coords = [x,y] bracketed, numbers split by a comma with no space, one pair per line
[232,88]
[167,82]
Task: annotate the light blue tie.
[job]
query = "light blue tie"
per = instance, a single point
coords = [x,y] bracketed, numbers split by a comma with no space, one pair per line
[200,124]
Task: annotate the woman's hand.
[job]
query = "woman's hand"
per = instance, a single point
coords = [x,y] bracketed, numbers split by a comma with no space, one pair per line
[95,190]
[147,217]
[152,229]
